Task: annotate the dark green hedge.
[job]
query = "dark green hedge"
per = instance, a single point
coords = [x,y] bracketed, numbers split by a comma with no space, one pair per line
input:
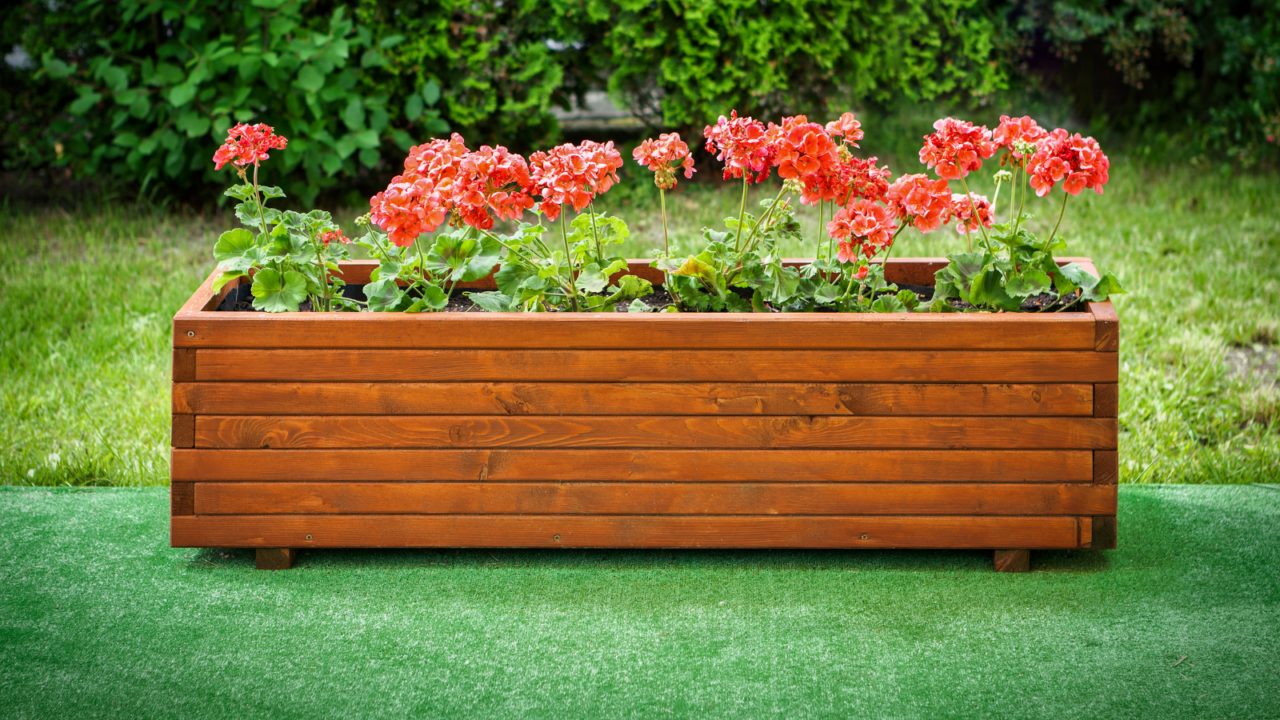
[138,93]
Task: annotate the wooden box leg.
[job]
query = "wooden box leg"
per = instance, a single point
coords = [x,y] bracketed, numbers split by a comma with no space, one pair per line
[1013,560]
[275,558]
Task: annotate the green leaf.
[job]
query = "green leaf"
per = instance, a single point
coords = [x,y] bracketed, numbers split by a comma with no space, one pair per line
[383,294]
[391,41]
[309,79]
[372,58]
[353,114]
[54,67]
[274,292]
[431,92]
[491,301]
[233,244]
[827,294]
[1107,286]
[432,297]
[413,108]
[634,286]
[367,139]
[888,304]
[182,94]
[695,268]
[84,103]
[638,306]
[1031,282]
[908,299]
[227,277]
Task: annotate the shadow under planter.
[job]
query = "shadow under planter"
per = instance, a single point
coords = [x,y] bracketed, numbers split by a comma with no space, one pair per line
[727,430]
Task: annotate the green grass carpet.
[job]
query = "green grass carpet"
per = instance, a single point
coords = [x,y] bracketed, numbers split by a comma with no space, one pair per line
[100,618]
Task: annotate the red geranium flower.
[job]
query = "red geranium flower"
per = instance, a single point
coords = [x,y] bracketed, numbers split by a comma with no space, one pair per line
[962,207]
[331,236]
[418,200]
[1012,130]
[927,202]
[573,174]
[863,225]
[248,145]
[491,178]
[744,147]
[846,127]
[804,149]
[957,148]
[1078,161]
[665,156]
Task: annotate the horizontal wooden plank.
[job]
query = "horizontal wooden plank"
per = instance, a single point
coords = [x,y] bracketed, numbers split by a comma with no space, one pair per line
[487,498]
[877,531]
[1106,400]
[1013,466]
[861,399]
[1064,331]
[958,366]
[833,432]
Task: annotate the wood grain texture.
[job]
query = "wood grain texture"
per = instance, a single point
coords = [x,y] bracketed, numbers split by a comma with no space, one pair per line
[858,399]
[183,431]
[638,531]
[1012,560]
[587,431]
[650,499]
[1106,467]
[1107,327]
[182,498]
[275,558]
[1106,400]
[184,364]
[1012,466]
[1104,533]
[1085,527]
[959,366]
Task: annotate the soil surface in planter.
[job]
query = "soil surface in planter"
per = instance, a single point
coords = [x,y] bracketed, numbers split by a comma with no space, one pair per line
[240,299]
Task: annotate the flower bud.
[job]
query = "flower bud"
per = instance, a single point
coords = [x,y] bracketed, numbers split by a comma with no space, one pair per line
[1003,176]
[793,185]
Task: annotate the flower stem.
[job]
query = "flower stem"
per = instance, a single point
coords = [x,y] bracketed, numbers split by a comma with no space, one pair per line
[978,219]
[822,209]
[742,210]
[568,259]
[666,243]
[830,249]
[763,218]
[1023,201]
[595,234]
[1061,212]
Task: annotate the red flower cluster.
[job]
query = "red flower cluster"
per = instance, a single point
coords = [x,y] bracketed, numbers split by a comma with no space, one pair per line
[962,207]
[491,178]
[743,145]
[333,235]
[573,174]
[248,145]
[957,148]
[665,156]
[804,149]
[418,200]
[863,225]
[846,127]
[1012,130]
[1076,160]
[927,202]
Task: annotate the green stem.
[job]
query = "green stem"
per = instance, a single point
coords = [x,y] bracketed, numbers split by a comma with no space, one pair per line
[763,219]
[830,249]
[1061,212]
[974,204]
[568,259]
[822,209]
[666,243]
[1023,202]
[596,235]
[742,210]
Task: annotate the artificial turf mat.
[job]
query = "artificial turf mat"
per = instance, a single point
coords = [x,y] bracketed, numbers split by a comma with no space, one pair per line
[100,618]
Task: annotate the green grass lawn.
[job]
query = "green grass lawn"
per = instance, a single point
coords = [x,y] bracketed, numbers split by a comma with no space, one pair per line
[100,618]
[86,297]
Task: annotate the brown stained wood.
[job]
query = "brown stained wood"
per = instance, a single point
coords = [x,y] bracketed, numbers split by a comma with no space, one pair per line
[1012,560]
[959,366]
[637,531]
[1104,533]
[183,434]
[859,399]
[1106,400]
[275,558]
[585,431]
[650,499]
[1085,527]
[1107,327]
[182,498]
[1106,467]
[959,466]
[184,365]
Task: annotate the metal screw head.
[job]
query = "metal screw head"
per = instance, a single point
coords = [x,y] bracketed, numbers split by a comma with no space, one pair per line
[309,537]
[556,538]
[191,333]
[862,537]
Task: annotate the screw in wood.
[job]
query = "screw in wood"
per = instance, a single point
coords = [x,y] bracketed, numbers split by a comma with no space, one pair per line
[191,333]
[556,538]
[308,537]
[864,537]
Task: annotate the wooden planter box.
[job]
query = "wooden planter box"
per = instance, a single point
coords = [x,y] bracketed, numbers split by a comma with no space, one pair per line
[320,430]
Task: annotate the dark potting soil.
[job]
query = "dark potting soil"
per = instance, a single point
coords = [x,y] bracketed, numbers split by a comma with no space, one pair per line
[241,300]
